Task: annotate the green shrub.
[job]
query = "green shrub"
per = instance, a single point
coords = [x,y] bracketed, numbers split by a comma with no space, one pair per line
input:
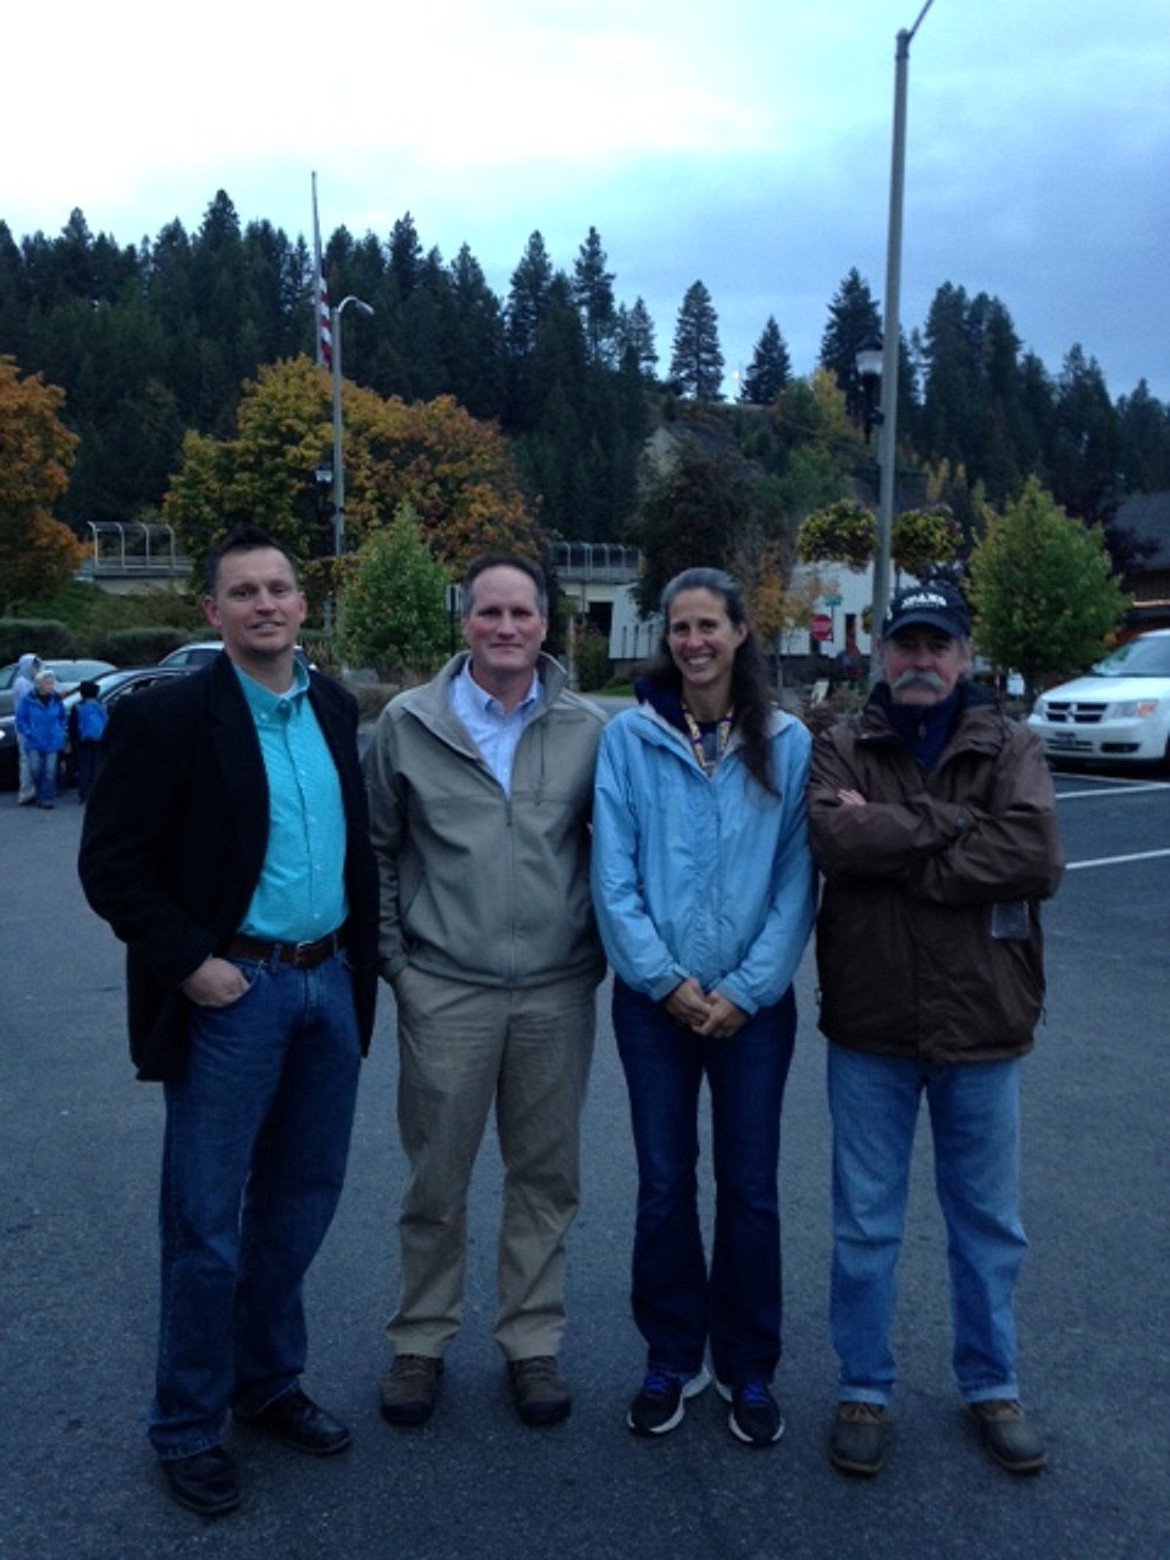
[593,663]
[36,636]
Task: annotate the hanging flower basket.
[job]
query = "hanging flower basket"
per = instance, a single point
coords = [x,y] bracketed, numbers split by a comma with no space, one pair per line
[845,533]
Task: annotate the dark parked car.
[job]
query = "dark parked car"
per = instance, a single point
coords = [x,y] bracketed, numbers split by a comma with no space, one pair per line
[112,686]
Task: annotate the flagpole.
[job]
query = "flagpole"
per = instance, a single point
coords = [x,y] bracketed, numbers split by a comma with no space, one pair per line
[322,323]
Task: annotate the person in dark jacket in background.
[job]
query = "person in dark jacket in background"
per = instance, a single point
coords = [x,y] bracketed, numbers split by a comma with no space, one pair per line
[226,841]
[87,723]
[933,820]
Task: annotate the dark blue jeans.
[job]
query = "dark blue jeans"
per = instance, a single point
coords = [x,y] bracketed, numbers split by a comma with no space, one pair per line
[679,1305]
[257,1137]
[85,763]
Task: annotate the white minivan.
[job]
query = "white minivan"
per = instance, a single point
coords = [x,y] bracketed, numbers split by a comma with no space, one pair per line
[1118,712]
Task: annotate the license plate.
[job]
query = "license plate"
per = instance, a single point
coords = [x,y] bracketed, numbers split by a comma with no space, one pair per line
[1062,738]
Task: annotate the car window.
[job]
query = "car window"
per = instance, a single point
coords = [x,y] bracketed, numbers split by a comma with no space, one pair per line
[1141,657]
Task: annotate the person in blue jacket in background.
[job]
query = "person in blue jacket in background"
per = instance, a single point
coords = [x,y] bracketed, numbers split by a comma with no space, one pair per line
[87,723]
[40,725]
[703,889]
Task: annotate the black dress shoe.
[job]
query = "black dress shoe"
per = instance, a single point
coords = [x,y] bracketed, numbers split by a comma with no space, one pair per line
[204,1482]
[297,1421]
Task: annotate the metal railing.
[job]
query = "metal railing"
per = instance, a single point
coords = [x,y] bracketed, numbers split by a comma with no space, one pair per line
[602,563]
[133,547]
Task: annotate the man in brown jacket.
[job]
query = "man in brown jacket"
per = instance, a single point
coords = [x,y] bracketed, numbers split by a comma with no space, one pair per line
[933,820]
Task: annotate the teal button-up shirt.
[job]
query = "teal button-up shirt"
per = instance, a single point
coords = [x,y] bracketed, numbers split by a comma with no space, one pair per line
[301,893]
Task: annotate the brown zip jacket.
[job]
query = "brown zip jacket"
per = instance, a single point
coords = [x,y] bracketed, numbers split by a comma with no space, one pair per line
[906,955]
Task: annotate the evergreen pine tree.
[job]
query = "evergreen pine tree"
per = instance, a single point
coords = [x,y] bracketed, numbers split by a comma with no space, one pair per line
[853,315]
[635,335]
[696,363]
[769,370]
[593,293]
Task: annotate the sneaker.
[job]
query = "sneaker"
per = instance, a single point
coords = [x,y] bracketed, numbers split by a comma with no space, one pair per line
[755,1417]
[541,1392]
[661,1401]
[410,1389]
[860,1438]
[1008,1436]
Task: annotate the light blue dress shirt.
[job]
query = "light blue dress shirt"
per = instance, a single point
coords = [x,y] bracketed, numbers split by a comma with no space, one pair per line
[494,733]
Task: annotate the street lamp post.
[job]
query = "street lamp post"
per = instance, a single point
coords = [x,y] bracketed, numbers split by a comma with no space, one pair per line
[868,362]
[888,430]
[338,467]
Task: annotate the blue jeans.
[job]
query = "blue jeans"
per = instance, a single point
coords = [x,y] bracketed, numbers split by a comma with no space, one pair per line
[974,1118]
[42,774]
[679,1306]
[254,1155]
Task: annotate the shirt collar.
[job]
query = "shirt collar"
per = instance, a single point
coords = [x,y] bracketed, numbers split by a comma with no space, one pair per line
[487,703]
[266,705]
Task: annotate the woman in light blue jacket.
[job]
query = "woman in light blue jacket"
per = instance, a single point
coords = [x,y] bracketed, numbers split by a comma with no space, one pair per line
[704,893]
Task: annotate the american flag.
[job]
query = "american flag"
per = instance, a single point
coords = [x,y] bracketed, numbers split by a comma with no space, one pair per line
[324,329]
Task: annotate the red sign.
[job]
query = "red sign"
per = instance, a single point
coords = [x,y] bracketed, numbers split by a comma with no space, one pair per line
[820,627]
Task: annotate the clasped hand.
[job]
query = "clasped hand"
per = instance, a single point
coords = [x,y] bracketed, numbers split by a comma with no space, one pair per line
[706,1013]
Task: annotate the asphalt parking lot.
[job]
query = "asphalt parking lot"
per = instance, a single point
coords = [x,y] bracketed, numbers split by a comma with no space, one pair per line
[79,1145]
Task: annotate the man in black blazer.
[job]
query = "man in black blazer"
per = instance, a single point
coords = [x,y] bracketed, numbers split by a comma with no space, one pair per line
[226,842]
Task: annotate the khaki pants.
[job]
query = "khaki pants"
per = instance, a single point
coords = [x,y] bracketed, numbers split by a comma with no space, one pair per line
[460,1048]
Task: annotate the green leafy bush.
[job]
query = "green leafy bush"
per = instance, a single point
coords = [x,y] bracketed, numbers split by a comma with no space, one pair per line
[38,636]
[592,658]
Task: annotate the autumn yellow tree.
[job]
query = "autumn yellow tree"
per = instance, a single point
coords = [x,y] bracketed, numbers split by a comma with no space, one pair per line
[781,596]
[456,474]
[37,552]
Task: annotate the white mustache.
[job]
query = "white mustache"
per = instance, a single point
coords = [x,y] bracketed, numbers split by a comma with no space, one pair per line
[916,679]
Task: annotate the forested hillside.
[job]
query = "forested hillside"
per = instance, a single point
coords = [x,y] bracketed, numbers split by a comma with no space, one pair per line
[149,341]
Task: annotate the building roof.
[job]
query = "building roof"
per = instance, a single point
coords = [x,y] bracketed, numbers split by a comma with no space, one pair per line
[1147,515]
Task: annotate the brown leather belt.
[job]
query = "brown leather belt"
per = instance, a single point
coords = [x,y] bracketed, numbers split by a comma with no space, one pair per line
[302,956]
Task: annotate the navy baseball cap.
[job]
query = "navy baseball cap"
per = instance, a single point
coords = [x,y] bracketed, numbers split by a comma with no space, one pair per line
[937,606]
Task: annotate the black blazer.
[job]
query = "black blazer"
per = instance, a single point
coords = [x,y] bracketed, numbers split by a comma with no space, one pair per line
[175,833]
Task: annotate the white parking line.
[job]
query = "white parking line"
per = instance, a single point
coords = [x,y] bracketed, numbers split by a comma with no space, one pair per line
[1116,861]
[1128,788]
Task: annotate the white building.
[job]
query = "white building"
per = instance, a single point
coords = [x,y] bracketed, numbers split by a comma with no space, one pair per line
[837,615]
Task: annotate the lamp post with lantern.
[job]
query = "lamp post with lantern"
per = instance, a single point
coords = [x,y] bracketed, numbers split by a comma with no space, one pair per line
[887,423]
[338,465]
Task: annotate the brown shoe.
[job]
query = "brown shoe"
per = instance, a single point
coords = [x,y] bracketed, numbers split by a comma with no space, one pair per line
[1008,1436]
[860,1438]
[541,1392]
[410,1389]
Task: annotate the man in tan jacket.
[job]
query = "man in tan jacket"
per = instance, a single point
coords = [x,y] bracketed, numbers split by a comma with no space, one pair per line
[481,789]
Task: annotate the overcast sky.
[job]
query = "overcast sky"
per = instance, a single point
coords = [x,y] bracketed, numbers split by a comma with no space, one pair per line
[745,143]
